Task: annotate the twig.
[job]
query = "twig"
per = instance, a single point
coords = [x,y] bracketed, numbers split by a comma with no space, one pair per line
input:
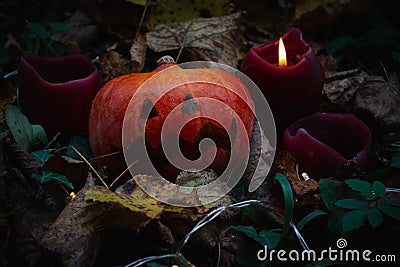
[90,166]
[52,141]
[122,174]
[341,75]
[142,18]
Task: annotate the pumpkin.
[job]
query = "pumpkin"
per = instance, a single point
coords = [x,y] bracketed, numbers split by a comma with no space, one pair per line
[111,102]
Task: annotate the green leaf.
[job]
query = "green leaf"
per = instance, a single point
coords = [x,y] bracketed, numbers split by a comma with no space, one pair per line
[37,29]
[265,237]
[338,44]
[309,217]
[379,189]
[391,201]
[353,220]
[250,231]
[363,187]
[60,26]
[41,155]
[46,176]
[81,143]
[395,160]
[391,211]
[138,2]
[19,126]
[268,238]
[374,217]
[289,203]
[351,203]
[330,191]
[39,136]
[396,56]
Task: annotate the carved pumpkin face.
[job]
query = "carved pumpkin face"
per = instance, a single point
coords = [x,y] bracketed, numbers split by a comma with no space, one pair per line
[109,107]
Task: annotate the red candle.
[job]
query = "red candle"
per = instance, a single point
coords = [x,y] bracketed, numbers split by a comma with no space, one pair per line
[57,92]
[292,88]
[323,141]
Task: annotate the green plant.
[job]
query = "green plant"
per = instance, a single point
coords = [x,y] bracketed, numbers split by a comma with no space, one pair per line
[273,238]
[353,202]
[41,41]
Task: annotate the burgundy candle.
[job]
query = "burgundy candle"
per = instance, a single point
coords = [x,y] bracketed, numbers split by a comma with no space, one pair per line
[323,141]
[57,92]
[292,91]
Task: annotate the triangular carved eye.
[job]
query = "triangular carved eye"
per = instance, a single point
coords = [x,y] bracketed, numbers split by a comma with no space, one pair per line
[189,106]
[148,110]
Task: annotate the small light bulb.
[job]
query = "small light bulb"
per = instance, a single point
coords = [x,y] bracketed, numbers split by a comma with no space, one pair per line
[305,176]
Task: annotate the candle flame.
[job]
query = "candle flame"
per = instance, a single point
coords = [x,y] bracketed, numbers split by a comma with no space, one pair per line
[282,54]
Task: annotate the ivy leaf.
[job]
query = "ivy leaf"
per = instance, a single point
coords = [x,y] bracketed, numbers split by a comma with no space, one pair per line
[338,44]
[353,220]
[36,29]
[27,136]
[41,155]
[330,191]
[19,126]
[80,143]
[391,211]
[374,217]
[351,203]
[363,187]
[39,137]
[46,176]
[378,188]
[395,160]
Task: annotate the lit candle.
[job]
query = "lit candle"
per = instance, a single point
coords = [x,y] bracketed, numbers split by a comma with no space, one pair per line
[323,141]
[292,83]
[57,92]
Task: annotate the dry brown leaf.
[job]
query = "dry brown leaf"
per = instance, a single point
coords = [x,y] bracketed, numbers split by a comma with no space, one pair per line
[339,91]
[138,53]
[286,164]
[379,99]
[113,64]
[214,36]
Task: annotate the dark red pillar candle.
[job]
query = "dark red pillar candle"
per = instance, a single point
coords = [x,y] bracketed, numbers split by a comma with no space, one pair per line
[57,92]
[293,91]
[323,141]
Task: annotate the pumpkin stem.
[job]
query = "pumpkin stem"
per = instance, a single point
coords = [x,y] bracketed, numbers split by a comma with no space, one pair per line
[165,60]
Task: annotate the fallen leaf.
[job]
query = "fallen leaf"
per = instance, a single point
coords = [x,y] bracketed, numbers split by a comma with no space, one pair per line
[28,136]
[339,92]
[214,36]
[286,164]
[305,7]
[113,64]
[138,53]
[138,202]
[169,11]
[379,99]
[138,2]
